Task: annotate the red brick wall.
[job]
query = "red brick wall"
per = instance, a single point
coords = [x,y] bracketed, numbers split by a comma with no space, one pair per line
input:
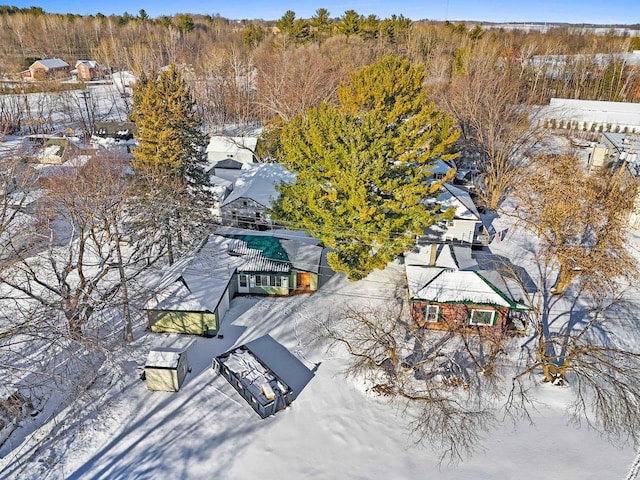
[452,316]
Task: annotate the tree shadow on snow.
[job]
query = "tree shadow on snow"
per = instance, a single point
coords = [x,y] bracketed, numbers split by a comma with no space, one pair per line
[283,363]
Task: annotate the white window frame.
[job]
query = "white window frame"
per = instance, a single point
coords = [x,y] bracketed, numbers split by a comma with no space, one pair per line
[242,277]
[428,309]
[479,310]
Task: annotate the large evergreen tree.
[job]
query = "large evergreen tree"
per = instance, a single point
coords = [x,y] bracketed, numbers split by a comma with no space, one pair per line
[170,139]
[363,167]
[172,200]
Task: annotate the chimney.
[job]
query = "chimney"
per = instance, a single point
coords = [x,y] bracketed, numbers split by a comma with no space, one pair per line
[433,254]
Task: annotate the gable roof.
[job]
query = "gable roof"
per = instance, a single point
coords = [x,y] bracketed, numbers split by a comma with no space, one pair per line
[460,286]
[52,63]
[88,63]
[441,167]
[258,182]
[445,282]
[228,163]
[224,144]
[198,282]
[459,199]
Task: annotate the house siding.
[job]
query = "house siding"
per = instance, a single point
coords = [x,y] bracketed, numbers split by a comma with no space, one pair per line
[195,323]
[242,213]
[461,230]
[454,315]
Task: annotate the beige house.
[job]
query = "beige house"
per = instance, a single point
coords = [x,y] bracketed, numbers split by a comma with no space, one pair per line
[49,68]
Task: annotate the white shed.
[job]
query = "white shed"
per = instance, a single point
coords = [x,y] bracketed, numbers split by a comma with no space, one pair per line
[166,369]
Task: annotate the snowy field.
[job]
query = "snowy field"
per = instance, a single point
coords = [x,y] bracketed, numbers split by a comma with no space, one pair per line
[333,429]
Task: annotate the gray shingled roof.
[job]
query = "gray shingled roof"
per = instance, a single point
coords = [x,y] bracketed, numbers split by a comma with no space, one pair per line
[53,63]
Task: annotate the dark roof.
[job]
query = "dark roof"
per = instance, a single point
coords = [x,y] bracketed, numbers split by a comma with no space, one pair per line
[228,163]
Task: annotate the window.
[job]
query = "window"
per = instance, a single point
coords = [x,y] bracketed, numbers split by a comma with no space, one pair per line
[243,281]
[245,203]
[482,317]
[268,281]
[431,313]
[450,223]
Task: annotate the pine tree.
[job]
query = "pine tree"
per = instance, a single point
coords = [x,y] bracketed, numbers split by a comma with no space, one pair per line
[172,201]
[362,168]
[170,139]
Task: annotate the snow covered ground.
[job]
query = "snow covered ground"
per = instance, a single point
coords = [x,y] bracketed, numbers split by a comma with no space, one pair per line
[333,429]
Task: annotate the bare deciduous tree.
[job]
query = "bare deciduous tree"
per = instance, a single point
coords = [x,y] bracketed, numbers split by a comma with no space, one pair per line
[447,383]
[73,268]
[580,220]
[486,96]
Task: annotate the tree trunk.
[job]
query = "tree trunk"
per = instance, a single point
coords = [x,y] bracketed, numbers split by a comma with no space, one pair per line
[565,277]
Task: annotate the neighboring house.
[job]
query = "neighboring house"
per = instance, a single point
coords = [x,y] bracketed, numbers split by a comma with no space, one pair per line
[115,130]
[49,68]
[123,80]
[87,70]
[241,149]
[253,193]
[466,226]
[194,295]
[49,149]
[220,189]
[441,168]
[613,149]
[448,292]
[620,151]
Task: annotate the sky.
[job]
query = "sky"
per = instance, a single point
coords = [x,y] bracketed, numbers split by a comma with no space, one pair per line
[569,11]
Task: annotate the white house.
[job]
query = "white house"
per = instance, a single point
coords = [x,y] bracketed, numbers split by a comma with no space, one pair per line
[466,225]
[253,193]
[241,149]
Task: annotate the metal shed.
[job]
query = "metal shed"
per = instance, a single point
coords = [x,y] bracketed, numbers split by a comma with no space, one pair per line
[166,369]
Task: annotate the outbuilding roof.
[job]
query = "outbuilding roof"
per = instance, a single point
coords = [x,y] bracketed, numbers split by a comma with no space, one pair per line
[52,63]
[163,358]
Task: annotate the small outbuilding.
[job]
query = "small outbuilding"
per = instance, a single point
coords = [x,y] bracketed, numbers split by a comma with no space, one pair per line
[166,369]
[254,381]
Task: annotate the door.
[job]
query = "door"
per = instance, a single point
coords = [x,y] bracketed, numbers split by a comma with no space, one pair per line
[303,281]
[243,283]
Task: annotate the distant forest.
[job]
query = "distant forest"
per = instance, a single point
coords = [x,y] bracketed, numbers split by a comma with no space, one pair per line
[254,70]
